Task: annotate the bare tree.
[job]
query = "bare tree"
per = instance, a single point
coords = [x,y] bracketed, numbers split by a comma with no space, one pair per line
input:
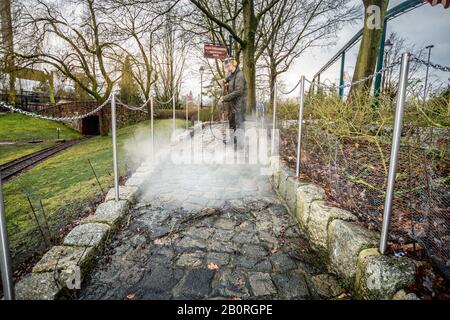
[204,30]
[171,51]
[133,29]
[251,12]
[390,79]
[76,45]
[291,27]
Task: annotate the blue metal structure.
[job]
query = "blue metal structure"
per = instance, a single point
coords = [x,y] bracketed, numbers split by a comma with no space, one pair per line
[396,11]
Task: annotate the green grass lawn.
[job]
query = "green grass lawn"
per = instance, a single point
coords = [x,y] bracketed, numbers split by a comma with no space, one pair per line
[66,185]
[21,129]
[17,127]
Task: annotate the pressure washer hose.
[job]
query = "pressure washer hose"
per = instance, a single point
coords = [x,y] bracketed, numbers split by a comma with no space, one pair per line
[211,120]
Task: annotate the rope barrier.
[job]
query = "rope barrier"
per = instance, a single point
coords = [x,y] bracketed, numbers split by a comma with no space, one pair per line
[134,108]
[290,91]
[348,85]
[160,102]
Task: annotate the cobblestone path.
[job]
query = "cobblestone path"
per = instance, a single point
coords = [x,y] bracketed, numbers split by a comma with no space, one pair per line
[206,232]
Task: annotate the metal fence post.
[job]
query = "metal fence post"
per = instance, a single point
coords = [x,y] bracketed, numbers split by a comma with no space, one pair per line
[173,113]
[114,142]
[398,121]
[187,113]
[263,116]
[151,125]
[300,124]
[198,111]
[341,77]
[275,96]
[5,258]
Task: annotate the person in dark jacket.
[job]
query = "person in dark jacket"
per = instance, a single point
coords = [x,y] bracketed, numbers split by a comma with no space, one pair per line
[236,96]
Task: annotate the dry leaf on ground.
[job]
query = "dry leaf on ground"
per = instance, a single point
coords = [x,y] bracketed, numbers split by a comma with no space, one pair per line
[213,266]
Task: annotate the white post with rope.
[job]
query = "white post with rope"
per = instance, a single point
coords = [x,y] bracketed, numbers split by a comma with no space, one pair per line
[114,143]
[187,112]
[173,113]
[263,123]
[151,125]
[5,257]
[274,119]
[300,125]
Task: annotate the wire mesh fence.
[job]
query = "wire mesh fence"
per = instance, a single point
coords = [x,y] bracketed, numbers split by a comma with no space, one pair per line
[346,147]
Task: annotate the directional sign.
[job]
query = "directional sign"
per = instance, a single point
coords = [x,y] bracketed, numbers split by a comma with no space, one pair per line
[213,51]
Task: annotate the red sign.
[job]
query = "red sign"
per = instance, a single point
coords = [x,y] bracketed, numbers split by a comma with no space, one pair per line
[445,3]
[213,51]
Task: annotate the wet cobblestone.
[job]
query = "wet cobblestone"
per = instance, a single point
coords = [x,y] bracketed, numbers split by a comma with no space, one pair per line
[177,245]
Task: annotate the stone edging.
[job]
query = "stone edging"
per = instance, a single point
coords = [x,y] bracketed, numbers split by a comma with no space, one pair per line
[64,267]
[349,249]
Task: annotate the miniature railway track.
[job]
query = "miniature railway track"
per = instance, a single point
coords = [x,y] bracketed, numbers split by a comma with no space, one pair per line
[11,169]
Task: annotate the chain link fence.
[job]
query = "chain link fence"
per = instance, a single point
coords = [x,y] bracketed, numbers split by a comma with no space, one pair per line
[346,147]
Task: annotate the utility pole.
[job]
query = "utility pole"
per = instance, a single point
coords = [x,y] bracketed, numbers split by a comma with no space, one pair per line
[426,76]
[387,45]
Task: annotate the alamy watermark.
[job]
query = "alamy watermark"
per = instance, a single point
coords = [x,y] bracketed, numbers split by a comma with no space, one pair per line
[212,145]
[373,20]
[73,281]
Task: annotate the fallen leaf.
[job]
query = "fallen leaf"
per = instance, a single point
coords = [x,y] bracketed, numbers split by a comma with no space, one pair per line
[166,240]
[342,296]
[274,250]
[241,282]
[213,266]
[243,225]
[130,296]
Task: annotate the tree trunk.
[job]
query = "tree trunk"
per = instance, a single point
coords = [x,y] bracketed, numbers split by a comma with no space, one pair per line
[272,84]
[249,50]
[368,50]
[250,77]
[272,93]
[104,121]
[7,36]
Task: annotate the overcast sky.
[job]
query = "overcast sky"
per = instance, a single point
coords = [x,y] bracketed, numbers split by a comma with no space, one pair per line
[420,27]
